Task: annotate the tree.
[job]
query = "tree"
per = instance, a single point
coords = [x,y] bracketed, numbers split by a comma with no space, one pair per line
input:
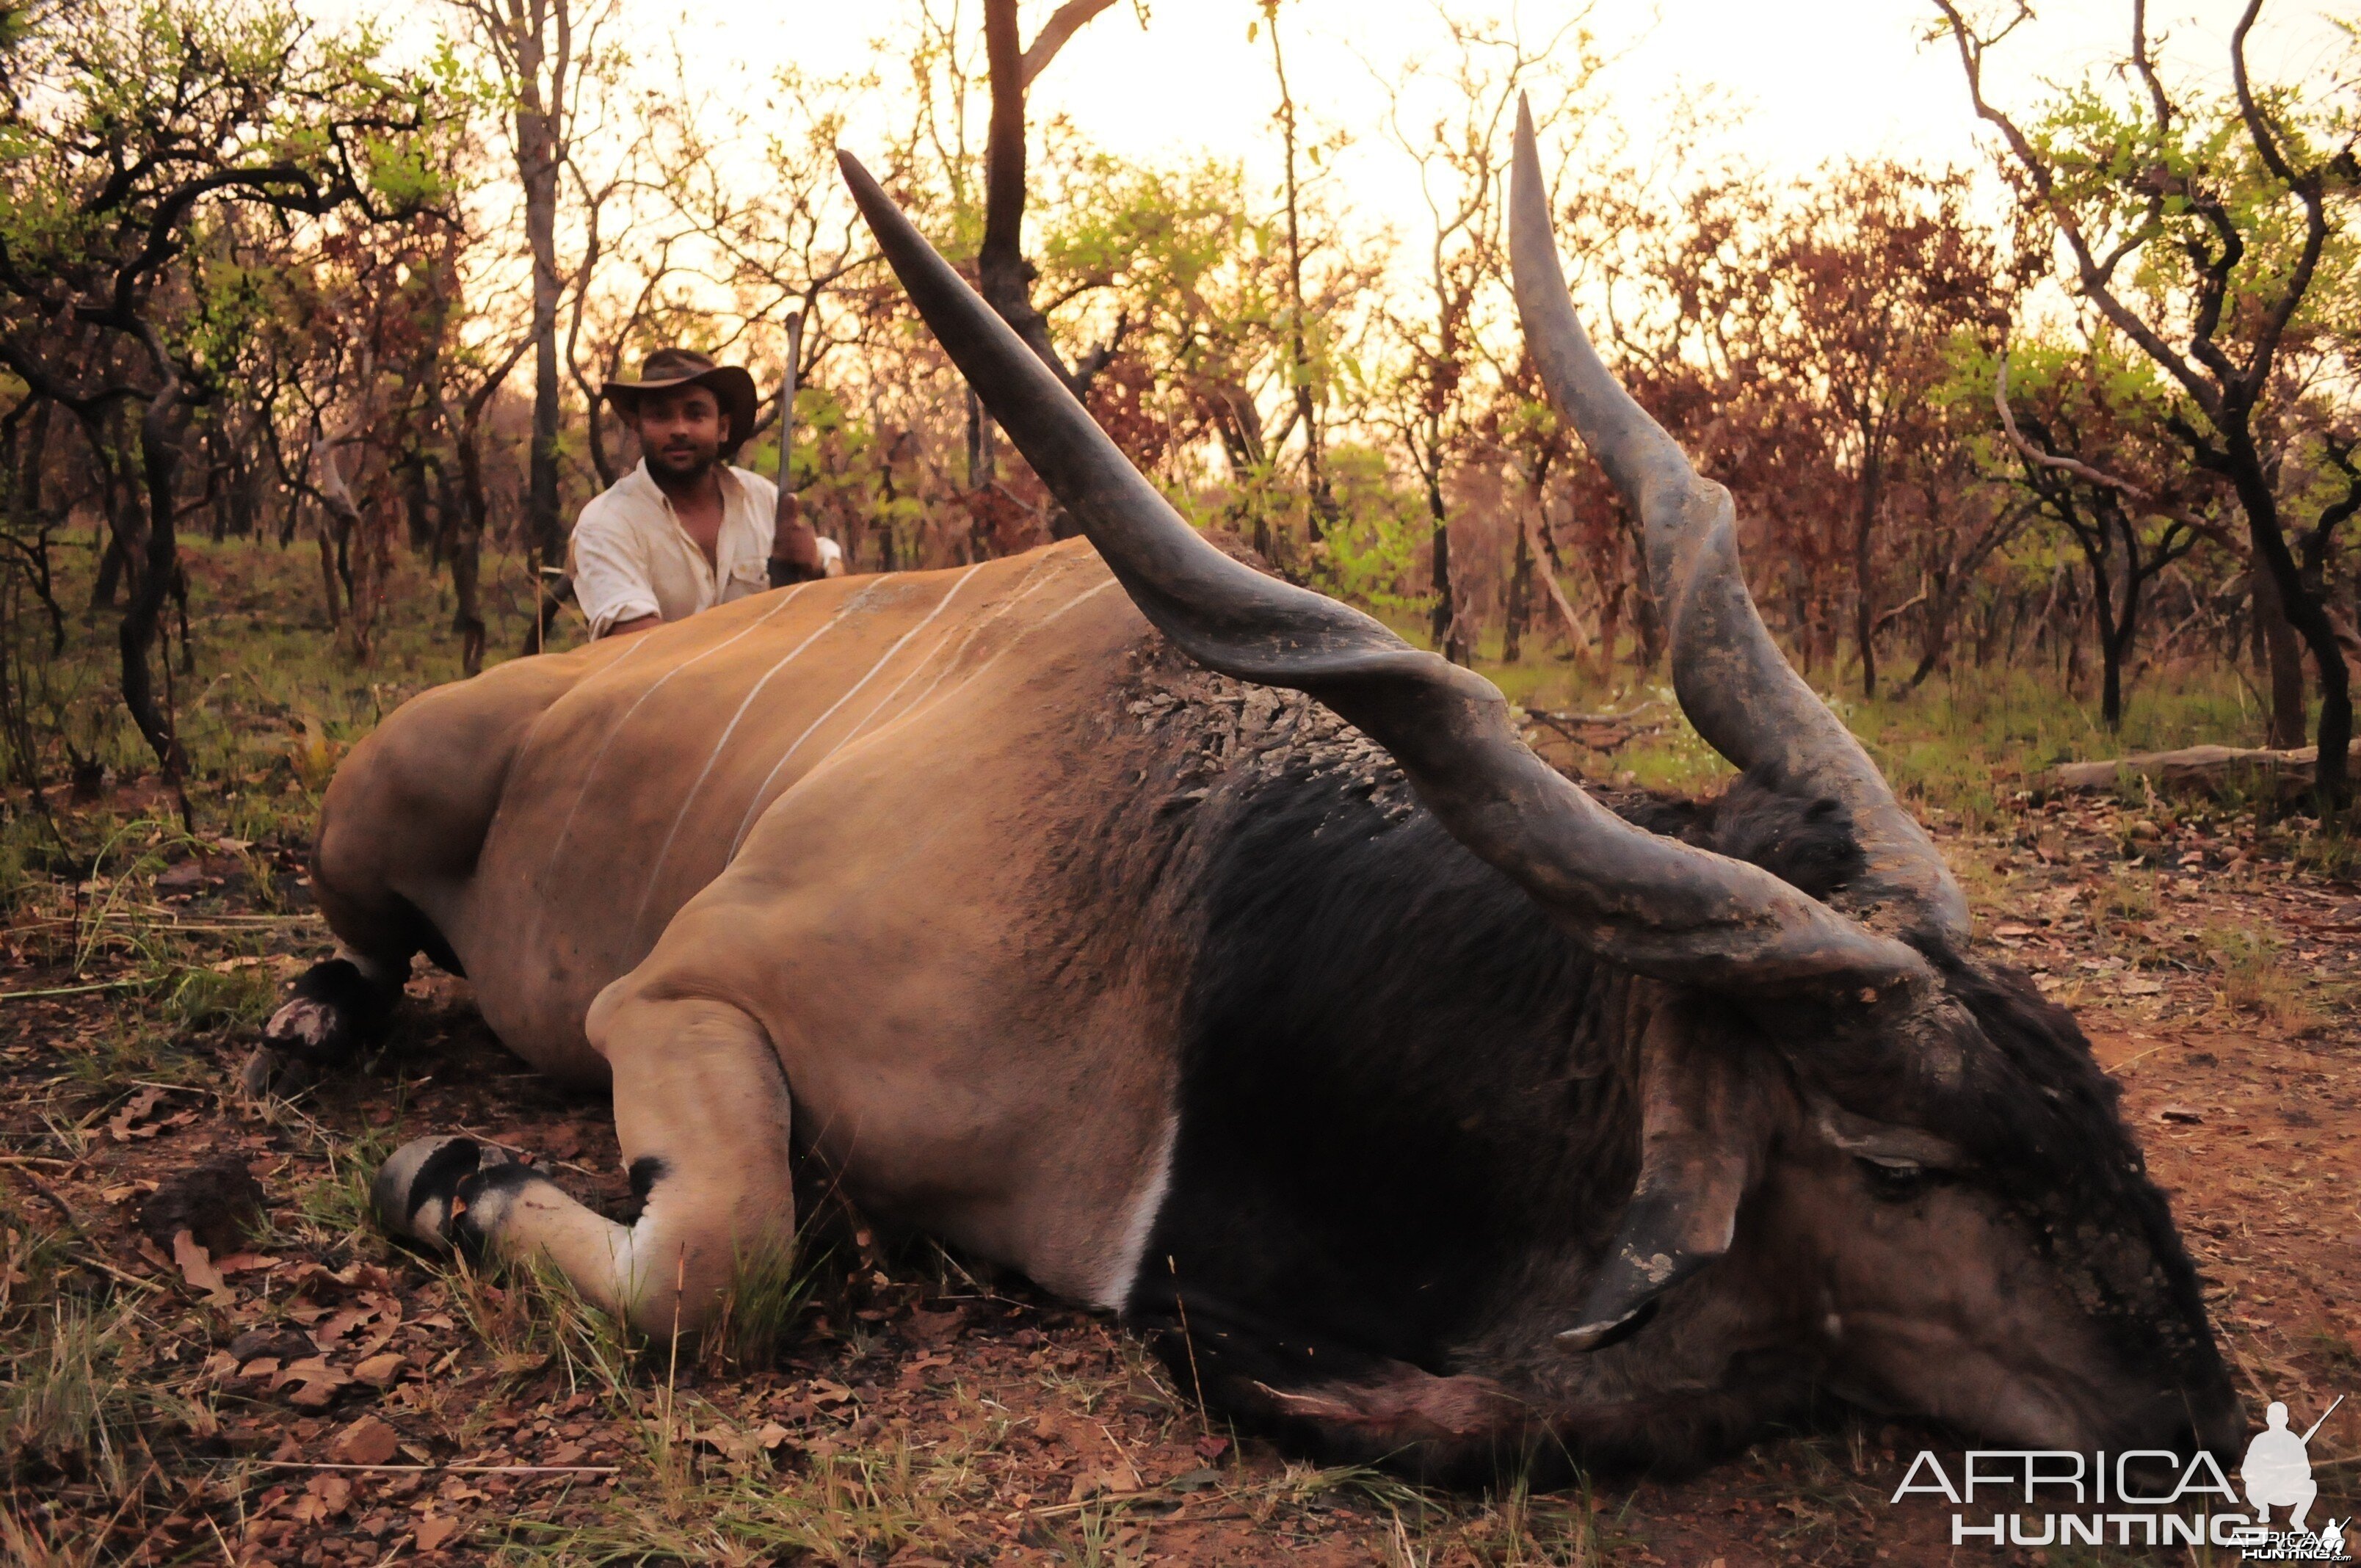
[1302,380]
[137,129]
[1003,275]
[1880,272]
[1461,152]
[2201,228]
[546,57]
[2089,419]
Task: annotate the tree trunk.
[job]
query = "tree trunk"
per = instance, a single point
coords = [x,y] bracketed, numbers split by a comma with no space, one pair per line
[1520,593]
[1942,606]
[2111,673]
[463,541]
[1864,609]
[2281,655]
[160,454]
[1542,552]
[1446,621]
[1003,275]
[1307,406]
[541,100]
[2302,610]
[1647,621]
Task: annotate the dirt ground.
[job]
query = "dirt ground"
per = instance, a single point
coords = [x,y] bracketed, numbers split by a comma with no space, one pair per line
[307,1394]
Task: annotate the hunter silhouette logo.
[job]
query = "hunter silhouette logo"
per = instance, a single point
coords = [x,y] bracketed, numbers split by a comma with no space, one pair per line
[2278,1473]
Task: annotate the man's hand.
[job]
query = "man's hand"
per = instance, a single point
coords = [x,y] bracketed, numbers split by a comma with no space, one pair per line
[637,624]
[795,548]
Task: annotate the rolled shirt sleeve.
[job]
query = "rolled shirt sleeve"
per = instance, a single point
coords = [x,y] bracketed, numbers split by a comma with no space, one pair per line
[612,583]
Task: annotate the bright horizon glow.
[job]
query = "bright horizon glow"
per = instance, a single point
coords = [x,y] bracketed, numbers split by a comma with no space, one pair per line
[1796,86]
[1806,83]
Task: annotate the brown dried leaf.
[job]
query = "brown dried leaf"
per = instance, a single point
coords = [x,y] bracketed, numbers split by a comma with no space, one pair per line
[339,1323]
[315,1382]
[434,1529]
[379,1371]
[368,1440]
[333,1492]
[196,1265]
[121,1124]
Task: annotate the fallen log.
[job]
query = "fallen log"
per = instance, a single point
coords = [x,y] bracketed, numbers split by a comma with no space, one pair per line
[2201,770]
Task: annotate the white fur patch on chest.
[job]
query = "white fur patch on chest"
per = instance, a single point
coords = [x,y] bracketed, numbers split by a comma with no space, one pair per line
[1112,1287]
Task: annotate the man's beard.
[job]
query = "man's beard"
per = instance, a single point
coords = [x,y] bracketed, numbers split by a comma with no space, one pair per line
[668,466]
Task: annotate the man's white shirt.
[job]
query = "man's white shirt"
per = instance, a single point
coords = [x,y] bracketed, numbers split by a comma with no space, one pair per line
[630,556]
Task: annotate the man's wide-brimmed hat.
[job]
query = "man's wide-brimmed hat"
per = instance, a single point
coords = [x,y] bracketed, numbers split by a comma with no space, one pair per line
[670,368]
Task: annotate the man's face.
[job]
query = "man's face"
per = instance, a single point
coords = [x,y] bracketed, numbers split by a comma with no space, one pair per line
[681,431]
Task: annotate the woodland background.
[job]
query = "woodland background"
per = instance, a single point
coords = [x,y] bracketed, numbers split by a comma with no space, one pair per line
[2083,401]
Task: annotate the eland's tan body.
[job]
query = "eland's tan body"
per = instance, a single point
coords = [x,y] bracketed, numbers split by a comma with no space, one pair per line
[816,833]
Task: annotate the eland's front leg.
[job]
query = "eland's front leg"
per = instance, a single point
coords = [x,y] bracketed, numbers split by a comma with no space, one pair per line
[703,1116]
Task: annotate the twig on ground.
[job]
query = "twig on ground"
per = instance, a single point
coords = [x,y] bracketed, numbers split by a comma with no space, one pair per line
[70,989]
[450,1469]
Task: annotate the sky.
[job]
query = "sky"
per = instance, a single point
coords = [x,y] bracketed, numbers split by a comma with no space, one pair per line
[1803,81]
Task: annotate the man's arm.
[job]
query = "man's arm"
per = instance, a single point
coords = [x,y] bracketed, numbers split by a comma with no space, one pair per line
[611,579]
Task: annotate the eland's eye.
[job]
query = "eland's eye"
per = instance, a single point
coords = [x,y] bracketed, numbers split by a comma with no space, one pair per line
[1894,1179]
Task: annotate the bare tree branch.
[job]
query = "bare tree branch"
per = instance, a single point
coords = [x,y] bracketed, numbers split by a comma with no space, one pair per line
[1063,24]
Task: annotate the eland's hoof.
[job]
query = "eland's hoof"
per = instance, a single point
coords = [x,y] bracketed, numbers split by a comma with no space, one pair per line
[270,1072]
[416,1194]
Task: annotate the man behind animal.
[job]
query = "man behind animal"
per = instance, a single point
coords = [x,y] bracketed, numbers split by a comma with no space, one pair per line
[687,530]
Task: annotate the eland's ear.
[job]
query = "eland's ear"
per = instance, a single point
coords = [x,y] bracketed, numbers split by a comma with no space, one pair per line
[1704,1130]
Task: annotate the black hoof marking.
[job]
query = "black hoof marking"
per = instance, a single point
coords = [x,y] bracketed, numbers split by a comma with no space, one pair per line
[483,1202]
[414,1192]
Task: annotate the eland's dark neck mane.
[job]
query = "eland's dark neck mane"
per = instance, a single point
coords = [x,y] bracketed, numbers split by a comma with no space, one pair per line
[1401,1081]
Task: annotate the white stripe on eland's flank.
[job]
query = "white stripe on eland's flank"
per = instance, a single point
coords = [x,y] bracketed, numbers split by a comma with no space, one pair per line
[656,871]
[1025,585]
[590,772]
[850,692]
[1122,1270]
[918,704]
[918,667]
[1024,588]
